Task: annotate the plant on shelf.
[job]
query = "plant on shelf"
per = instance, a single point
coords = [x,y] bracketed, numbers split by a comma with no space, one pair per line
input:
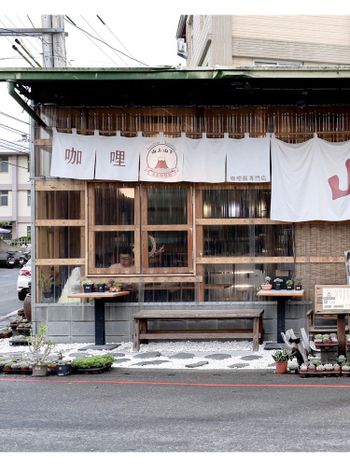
[87,285]
[40,348]
[266,285]
[101,286]
[298,285]
[114,286]
[278,283]
[289,284]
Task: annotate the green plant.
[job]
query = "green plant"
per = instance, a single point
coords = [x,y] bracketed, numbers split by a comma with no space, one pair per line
[45,282]
[282,355]
[278,280]
[86,282]
[39,347]
[289,282]
[93,361]
[267,280]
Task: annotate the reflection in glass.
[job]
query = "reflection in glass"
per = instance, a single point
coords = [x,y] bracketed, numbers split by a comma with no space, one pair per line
[59,205]
[59,242]
[167,205]
[226,282]
[169,292]
[167,249]
[114,248]
[242,203]
[55,283]
[248,240]
[114,205]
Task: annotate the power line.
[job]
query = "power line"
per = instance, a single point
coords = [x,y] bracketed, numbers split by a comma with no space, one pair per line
[12,149]
[14,130]
[17,165]
[27,52]
[108,45]
[96,45]
[23,56]
[14,118]
[113,34]
[94,30]
[14,144]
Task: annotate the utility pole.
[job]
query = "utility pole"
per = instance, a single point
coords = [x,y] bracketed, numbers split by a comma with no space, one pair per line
[53,40]
[54,46]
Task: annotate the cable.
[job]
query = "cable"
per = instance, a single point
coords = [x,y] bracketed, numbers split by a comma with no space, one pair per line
[14,130]
[16,165]
[14,144]
[116,53]
[12,149]
[97,39]
[100,49]
[27,52]
[115,37]
[13,24]
[14,118]
[23,56]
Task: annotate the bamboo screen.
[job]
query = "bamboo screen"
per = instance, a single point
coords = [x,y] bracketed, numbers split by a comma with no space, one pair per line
[312,252]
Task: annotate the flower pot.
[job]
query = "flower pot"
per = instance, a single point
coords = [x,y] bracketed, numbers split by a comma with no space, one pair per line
[266,286]
[101,287]
[39,370]
[87,288]
[281,367]
[64,369]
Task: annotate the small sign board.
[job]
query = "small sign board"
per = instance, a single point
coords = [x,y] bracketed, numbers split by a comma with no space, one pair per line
[336,298]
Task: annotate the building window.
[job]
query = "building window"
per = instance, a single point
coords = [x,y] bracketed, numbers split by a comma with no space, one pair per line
[29,199]
[4,198]
[29,231]
[4,164]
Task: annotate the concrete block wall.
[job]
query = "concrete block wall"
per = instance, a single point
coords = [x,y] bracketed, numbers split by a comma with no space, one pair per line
[75,323]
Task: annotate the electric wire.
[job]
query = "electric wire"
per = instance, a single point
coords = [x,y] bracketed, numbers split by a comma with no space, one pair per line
[96,38]
[13,25]
[113,34]
[14,144]
[23,56]
[98,35]
[27,52]
[14,118]
[14,130]
[88,35]
[16,165]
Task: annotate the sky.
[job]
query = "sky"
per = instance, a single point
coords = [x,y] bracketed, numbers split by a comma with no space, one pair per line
[142,29]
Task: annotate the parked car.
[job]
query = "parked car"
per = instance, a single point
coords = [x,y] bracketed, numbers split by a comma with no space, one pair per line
[24,280]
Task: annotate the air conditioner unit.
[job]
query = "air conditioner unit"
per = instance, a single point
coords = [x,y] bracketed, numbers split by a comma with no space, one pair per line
[181,48]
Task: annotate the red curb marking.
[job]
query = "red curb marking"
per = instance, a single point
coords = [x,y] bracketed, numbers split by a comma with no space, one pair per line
[180,383]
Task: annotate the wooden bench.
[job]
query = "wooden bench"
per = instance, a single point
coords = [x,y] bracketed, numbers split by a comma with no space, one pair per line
[142,333]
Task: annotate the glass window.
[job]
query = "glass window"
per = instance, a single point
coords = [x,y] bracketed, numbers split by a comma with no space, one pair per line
[241,203]
[59,205]
[4,198]
[59,242]
[114,205]
[4,166]
[28,198]
[167,249]
[167,205]
[115,250]
[55,283]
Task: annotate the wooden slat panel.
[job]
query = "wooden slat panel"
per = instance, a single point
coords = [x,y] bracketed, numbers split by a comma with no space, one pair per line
[60,223]
[184,335]
[242,313]
[60,262]
[59,185]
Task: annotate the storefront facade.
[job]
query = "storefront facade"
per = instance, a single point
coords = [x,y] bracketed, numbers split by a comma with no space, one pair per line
[182,242]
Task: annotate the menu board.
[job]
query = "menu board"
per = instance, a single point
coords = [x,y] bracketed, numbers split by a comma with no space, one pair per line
[336,298]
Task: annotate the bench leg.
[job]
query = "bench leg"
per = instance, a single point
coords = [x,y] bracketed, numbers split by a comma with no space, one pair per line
[136,336]
[261,330]
[255,334]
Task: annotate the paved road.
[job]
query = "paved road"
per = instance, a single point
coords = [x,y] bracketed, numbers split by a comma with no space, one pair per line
[8,291]
[171,411]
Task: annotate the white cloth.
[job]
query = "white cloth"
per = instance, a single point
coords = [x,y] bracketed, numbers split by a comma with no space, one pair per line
[248,160]
[161,159]
[205,159]
[310,181]
[117,158]
[73,156]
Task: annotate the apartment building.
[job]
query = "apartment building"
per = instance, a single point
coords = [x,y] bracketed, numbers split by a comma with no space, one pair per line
[240,41]
[15,193]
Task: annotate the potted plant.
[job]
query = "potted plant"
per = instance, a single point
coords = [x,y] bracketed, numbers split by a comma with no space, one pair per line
[87,285]
[5,332]
[114,286]
[281,358]
[40,348]
[101,286]
[64,368]
[298,284]
[289,284]
[45,284]
[93,363]
[277,282]
[267,283]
